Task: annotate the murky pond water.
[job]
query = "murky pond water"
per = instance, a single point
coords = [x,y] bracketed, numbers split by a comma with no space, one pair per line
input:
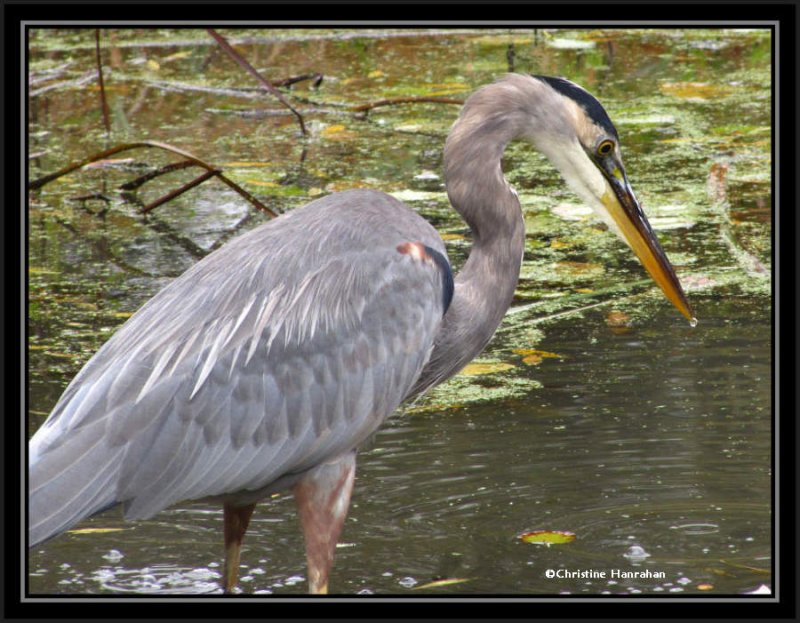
[596,410]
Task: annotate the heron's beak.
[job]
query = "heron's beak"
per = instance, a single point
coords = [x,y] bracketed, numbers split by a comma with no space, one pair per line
[624,209]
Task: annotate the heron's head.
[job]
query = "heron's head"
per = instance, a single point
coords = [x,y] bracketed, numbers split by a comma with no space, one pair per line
[573,130]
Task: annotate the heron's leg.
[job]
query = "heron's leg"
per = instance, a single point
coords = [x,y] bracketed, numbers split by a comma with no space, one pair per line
[323,497]
[237,519]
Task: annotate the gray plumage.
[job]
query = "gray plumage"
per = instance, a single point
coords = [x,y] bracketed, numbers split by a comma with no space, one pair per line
[269,362]
[280,349]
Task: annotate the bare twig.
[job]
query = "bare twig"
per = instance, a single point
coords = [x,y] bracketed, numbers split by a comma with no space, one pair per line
[43,75]
[406,100]
[76,82]
[103,102]
[286,82]
[167,168]
[38,183]
[242,62]
[179,191]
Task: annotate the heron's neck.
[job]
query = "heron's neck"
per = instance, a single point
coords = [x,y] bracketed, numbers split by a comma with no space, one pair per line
[485,285]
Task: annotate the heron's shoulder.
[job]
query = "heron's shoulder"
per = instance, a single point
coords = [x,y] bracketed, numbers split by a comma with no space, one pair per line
[354,217]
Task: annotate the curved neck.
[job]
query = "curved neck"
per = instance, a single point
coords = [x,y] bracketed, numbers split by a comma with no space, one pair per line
[484,288]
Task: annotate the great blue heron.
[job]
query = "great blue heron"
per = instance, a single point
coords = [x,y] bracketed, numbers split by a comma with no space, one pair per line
[268,363]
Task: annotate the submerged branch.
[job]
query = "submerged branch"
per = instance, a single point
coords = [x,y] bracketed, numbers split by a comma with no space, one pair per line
[717,188]
[86,78]
[167,168]
[215,171]
[412,99]
[103,101]
[244,64]
[179,191]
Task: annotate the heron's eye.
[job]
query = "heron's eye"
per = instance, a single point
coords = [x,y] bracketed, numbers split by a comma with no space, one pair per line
[605,148]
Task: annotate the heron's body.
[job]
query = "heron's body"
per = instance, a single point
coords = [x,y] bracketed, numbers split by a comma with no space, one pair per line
[267,364]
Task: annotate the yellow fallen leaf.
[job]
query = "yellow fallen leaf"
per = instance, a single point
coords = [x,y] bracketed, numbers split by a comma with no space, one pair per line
[35,270]
[451,85]
[340,185]
[478,368]
[532,360]
[447,237]
[548,537]
[264,184]
[528,352]
[151,64]
[700,90]
[440,583]
[94,530]
[176,57]
[375,74]
[246,163]
[705,587]
[333,129]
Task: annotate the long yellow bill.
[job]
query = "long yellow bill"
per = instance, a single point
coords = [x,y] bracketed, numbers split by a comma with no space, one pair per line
[626,212]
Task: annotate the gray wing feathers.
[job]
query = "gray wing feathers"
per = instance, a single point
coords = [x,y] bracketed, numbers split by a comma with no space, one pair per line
[289,345]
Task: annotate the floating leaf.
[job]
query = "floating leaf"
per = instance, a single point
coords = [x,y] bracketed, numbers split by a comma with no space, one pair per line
[246,164]
[539,353]
[694,90]
[60,355]
[375,74]
[35,270]
[176,57]
[618,318]
[95,530]
[263,184]
[332,129]
[705,587]
[484,367]
[548,537]
[440,583]
[447,237]
[533,357]
[619,322]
